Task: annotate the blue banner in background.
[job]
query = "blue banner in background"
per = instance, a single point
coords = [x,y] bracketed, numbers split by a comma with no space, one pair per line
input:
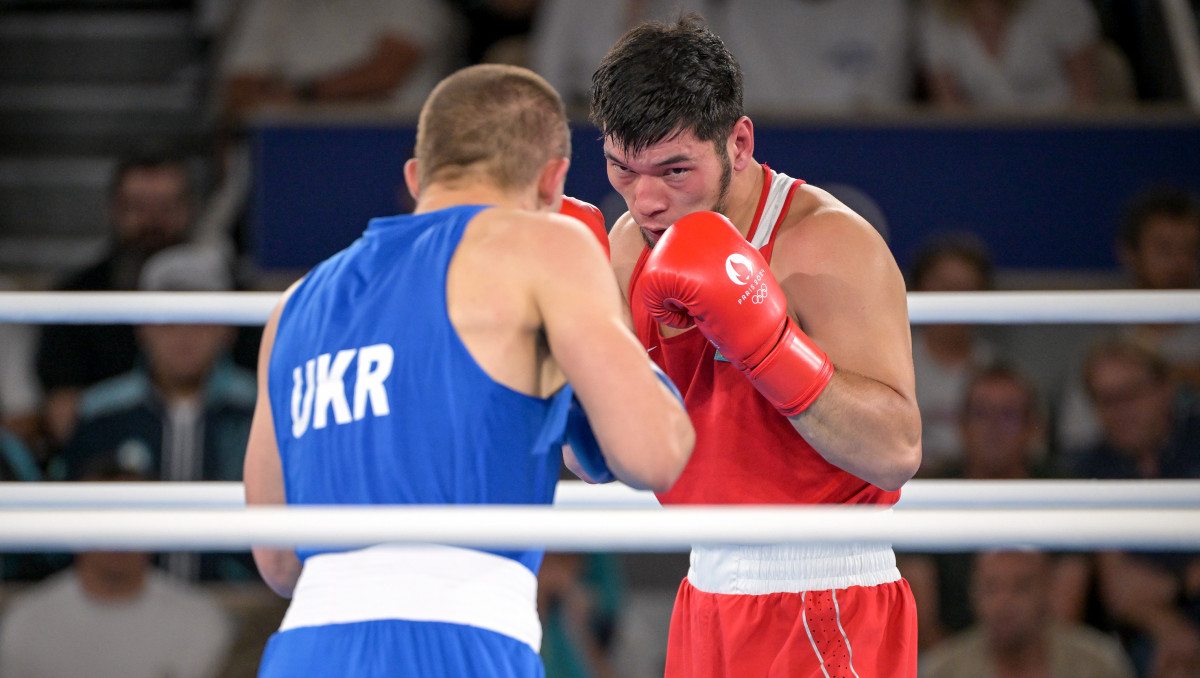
[1043,195]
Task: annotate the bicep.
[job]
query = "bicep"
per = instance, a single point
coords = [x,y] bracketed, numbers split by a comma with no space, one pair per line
[848,295]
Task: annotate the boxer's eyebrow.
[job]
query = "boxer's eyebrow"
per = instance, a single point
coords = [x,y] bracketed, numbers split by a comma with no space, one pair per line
[673,160]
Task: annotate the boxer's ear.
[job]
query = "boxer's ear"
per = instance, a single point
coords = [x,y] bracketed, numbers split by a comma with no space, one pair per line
[411,174]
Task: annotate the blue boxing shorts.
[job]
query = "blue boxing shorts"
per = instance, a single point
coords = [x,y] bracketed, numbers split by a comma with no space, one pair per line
[390,611]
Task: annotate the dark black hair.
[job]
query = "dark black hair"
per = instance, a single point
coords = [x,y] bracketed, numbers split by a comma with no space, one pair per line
[1171,201]
[661,79]
[963,245]
[149,160]
[1001,370]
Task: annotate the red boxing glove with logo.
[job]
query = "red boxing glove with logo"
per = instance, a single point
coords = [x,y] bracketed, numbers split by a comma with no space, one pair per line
[703,271]
[590,215]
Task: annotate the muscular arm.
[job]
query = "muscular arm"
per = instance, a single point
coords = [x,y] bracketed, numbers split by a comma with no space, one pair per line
[846,293]
[263,473]
[643,430]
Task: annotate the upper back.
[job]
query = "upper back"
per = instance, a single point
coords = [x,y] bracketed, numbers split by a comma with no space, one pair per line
[377,399]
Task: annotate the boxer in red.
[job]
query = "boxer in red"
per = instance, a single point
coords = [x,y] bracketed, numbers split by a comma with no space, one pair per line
[781,315]
[589,214]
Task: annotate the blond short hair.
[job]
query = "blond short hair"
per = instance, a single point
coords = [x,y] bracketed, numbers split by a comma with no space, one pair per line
[502,121]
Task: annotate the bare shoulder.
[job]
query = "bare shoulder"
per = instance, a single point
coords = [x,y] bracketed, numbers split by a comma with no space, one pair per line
[842,284]
[822,235]
[267,342]
[625,245]
[523,238]
[844,289]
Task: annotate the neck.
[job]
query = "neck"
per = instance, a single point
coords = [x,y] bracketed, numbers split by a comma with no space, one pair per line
[173,390]
[111,586]
[443,195]
[745,189]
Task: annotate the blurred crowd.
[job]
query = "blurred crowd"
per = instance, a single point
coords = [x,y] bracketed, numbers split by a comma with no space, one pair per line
[174,402]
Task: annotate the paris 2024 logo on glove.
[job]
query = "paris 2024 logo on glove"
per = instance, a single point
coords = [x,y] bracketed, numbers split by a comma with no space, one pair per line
[741,272]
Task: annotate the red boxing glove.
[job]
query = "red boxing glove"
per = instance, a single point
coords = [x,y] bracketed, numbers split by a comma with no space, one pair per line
[702,270]
[590,215]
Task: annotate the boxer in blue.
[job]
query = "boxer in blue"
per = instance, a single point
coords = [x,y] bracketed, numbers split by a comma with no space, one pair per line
[443,358]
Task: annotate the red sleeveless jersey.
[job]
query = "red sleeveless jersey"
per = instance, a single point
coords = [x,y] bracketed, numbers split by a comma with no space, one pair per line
[746,451]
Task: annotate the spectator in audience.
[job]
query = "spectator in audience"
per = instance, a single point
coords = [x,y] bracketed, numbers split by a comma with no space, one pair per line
[183,412]
[1001,432]
[299,52]
[1000,427]
[296,54]
[1158,245]
[498,30]
[16,461]
[944,356]
[1150,427]
[569,37]
[1140,31]
[836,55]
[1016,635]
[151,205]
[1151,430]
[1009,54]
[112,615]
[17,464]
[578,599]
[20,391]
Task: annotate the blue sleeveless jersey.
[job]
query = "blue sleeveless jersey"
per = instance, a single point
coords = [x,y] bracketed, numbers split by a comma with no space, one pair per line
[376,400]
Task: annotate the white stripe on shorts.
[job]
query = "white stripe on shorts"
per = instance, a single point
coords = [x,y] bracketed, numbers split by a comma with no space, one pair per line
[419,583]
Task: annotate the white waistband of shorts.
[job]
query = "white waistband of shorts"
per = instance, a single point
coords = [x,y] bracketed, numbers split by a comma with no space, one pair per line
[420,583]
[790,568]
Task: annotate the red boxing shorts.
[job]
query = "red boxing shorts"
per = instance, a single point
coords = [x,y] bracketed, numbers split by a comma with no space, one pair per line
[794,612]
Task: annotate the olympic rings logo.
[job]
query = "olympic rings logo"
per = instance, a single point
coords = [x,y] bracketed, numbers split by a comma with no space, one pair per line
[760,295]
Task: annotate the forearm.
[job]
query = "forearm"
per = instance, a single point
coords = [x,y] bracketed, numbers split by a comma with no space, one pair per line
[1081,73]
[865,428]
[245,93]
[373,78]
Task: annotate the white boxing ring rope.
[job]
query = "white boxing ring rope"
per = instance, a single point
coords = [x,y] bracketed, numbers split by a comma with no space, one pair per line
[573,494]
[579,529]
[932,515]
[253,308]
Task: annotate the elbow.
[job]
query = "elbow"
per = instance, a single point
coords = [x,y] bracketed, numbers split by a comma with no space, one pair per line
[280,569]
[904,456]
[672,457]
[679,451]
[902,468]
